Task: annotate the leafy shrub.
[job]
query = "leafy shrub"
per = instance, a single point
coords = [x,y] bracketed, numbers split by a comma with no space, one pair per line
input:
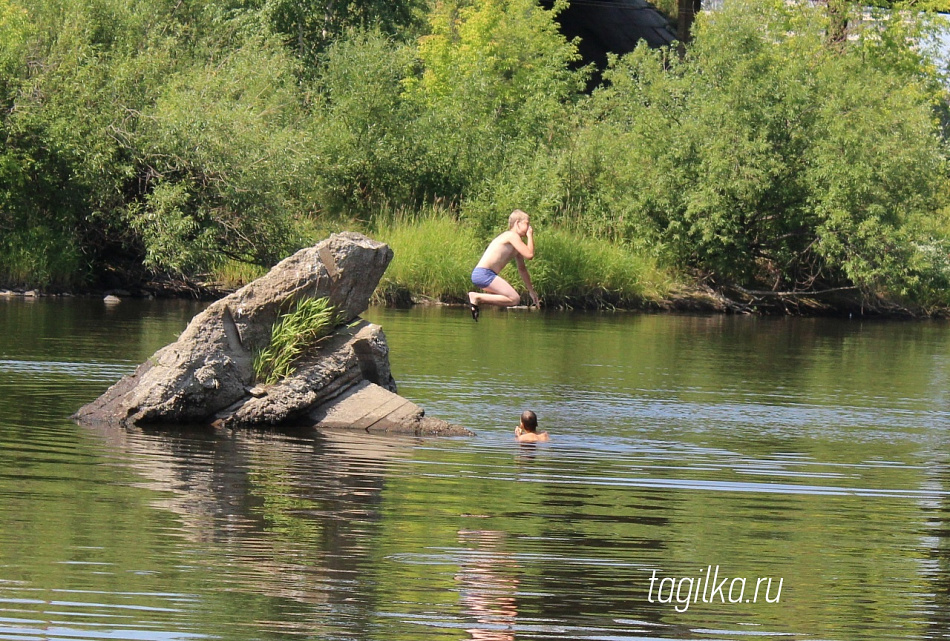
[227,178]
[365,156]
[767,157]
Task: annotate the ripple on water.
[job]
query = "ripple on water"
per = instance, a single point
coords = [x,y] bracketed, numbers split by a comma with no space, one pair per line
[32,613]
[90,371]
[669,453]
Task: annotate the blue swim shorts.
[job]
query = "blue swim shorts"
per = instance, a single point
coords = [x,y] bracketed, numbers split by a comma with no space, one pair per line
[482,277]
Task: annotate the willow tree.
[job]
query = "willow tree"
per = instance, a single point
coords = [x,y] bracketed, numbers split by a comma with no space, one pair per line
[767,160]
[309,26]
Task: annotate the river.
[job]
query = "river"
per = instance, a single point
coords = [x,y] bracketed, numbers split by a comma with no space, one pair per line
[708,477]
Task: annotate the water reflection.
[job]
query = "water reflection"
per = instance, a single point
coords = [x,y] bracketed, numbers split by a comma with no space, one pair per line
[808,451]
[487,585]
[256,494]
[286,517]
[935,539]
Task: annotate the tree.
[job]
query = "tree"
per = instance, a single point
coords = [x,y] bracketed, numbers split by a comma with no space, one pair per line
[767,160]
[495,89]
[225,180]
[309,26]
[153,132]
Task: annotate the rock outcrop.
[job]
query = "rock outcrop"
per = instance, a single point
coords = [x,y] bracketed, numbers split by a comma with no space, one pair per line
[207,375]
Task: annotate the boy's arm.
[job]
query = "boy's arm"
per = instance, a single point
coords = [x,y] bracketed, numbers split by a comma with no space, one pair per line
[525,250]
[526,277]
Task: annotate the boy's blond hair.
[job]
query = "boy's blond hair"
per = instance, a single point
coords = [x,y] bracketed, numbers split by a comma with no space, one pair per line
[515,217]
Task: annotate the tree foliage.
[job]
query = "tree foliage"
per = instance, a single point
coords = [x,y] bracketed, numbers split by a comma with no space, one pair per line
[158,137]
[308,27]
[445,120]
[765,158]
[225,178]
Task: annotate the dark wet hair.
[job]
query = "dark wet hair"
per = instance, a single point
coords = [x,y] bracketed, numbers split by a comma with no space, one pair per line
[529,420]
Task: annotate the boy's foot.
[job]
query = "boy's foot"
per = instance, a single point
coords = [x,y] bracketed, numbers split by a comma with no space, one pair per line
[472,307]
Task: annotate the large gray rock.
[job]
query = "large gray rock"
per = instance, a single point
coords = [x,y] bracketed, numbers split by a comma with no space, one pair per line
[207,375]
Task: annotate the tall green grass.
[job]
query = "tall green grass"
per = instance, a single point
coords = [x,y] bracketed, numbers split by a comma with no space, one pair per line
[40,258]
[434,257]
[310,321]
[574,271]
[234,274]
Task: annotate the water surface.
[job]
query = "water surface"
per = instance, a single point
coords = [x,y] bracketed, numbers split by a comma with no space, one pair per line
[808,456]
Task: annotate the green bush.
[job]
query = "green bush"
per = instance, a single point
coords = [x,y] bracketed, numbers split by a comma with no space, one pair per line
[228,178]
[364,154]
[494,92]
[766,158]
[40,257]
[444,121]
[308,27]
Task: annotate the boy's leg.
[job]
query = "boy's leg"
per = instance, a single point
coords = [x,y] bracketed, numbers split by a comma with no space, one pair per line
[500,293]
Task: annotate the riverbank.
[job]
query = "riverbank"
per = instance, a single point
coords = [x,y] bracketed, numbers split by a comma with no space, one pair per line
[694,299]
[571,271]
[147,290]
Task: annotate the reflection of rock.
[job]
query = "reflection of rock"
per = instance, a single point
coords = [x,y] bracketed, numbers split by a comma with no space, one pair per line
[207,375]
[290,514]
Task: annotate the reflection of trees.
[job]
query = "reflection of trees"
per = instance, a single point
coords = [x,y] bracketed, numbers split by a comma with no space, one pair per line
[936,537]
[288,516]
[590,525]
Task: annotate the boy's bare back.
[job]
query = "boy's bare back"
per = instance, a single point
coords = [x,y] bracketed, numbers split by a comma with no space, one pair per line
[527,430]
[532,437]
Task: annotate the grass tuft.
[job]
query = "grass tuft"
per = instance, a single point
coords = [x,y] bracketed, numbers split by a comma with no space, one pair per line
[581,272]
[40,258]
[234,274]
[295,332]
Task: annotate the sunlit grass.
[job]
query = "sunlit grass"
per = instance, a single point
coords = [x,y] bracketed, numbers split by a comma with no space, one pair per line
[570,270]
[434,257]
[311,320]
[234,274]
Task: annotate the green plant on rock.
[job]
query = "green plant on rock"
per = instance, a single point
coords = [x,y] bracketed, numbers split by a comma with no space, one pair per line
[310,321]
